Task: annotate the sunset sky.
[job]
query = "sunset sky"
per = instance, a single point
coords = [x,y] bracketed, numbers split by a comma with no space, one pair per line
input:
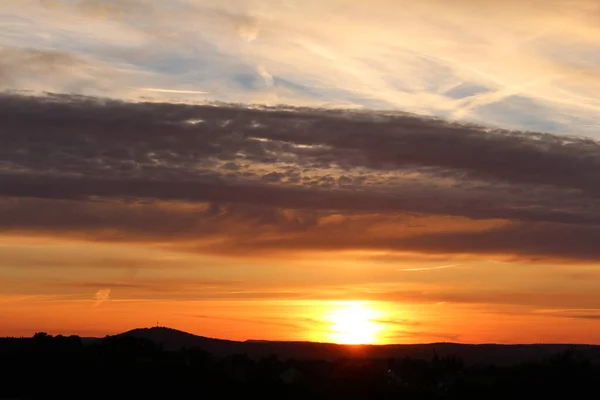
[350,171]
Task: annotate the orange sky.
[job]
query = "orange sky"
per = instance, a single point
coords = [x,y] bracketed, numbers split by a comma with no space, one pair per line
[93,289]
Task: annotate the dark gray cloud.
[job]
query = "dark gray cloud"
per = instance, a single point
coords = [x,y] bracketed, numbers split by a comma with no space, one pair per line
[106,138]
[82,157]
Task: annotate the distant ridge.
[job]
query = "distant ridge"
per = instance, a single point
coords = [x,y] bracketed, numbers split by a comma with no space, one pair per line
[498,354]
[169,336]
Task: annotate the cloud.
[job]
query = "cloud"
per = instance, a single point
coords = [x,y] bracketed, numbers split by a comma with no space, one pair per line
[101,296]
[577,313]
[419,335]
[412,56]
[429,268]
[506,296]
[397,147]
[181,91]
[39,70]
[268,179]
[33,62]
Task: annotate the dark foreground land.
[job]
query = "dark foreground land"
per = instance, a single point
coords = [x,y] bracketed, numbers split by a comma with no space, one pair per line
[167,364]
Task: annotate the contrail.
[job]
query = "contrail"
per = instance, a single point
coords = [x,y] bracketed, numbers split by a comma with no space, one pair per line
[429,268]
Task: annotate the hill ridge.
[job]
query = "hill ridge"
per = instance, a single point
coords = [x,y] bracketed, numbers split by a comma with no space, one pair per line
[500,354]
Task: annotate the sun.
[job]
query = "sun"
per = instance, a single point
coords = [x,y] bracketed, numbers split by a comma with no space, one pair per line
[354,322]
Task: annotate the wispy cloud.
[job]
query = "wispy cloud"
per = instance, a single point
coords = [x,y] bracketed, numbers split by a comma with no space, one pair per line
[101,296]
[478,61]
[429,268]
[576,313]
[181,91]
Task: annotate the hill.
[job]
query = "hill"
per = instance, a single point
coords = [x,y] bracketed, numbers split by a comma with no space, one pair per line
[497,354]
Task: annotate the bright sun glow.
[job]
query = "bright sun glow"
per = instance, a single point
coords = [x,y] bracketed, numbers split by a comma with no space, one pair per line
[354,322]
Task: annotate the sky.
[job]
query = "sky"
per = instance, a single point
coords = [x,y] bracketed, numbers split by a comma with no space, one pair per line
[337,171]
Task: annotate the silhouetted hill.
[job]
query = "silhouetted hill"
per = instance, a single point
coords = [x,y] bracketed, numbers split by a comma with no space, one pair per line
[172,338]
[497,354]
